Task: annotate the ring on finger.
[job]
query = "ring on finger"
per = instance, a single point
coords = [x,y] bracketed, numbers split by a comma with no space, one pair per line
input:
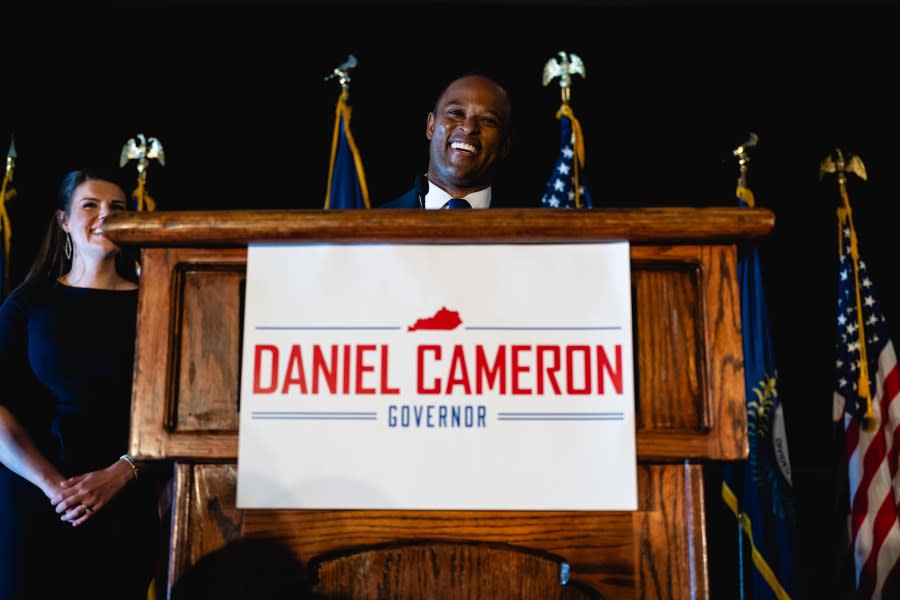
[87,509]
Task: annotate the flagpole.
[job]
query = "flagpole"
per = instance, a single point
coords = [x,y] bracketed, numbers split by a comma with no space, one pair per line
[743,193]
[570,164]
[837,165]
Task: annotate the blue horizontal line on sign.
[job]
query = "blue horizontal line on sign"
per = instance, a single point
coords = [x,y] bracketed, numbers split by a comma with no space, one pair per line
[560,416]
[315,415]
[548,328]
[327,328]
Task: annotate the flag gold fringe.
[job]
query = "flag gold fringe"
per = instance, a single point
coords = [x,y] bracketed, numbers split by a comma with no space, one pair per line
[6,194]
[845,219]
[745,194]
[566,111]
[343,110]
[758,560]
[141,197]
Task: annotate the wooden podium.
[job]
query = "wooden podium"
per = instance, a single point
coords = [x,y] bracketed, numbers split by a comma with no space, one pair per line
[689,390]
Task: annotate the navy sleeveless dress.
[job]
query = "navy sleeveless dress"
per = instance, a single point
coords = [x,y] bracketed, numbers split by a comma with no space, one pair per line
[66,361]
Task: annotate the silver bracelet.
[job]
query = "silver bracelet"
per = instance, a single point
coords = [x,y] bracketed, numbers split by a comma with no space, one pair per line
[127,458]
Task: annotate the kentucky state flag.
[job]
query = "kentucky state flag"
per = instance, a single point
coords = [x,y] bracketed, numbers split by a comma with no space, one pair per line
[758,491]
[346,178]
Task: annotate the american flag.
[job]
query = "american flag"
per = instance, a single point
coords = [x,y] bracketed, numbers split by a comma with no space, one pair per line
[567,173]
[866,400]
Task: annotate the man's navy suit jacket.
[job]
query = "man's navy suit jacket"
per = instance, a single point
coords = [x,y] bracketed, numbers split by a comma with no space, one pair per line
[411,200]
[408,200]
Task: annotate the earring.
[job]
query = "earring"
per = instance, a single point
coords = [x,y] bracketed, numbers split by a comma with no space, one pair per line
[68,247]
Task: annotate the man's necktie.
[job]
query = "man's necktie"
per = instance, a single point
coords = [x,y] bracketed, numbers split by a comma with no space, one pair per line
[457,203]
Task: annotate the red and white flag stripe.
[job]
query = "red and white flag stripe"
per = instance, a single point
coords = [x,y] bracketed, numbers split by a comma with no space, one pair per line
[875,485]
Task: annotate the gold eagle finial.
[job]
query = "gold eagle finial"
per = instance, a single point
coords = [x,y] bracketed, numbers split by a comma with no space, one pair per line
[741,151]
[342,72]
[835,163]
[11,155]
[142,149]
[567,65]
[743,156]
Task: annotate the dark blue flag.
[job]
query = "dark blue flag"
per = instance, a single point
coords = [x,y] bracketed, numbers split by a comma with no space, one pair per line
[346,178]
[758,491]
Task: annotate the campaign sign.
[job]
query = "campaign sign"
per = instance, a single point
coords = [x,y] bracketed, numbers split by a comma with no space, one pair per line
[437,376]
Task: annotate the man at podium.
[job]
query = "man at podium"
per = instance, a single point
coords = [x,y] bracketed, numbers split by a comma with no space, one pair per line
[469,135]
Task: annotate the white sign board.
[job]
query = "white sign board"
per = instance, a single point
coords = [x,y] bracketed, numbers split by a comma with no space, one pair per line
[482,376]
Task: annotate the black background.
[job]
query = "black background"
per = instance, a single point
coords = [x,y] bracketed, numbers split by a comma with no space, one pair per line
[236,93]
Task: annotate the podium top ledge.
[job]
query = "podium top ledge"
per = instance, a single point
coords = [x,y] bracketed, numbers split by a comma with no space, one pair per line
[236,228]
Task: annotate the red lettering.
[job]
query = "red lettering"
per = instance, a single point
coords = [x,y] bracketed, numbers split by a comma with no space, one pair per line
[362,368]
[585,351]
[385,388]
[458,373]
[518,369]
[420,370]
[295,363]
[258,388]
[346,377]
[320,368]
[551,370]
[491,373]
[603,366]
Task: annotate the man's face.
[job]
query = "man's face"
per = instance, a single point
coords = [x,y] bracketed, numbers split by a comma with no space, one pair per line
[468,133]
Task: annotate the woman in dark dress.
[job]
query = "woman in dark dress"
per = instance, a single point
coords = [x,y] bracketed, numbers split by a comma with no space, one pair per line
[75,515]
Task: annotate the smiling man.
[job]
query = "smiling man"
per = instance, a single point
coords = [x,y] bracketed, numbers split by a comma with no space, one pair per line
[469,134]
